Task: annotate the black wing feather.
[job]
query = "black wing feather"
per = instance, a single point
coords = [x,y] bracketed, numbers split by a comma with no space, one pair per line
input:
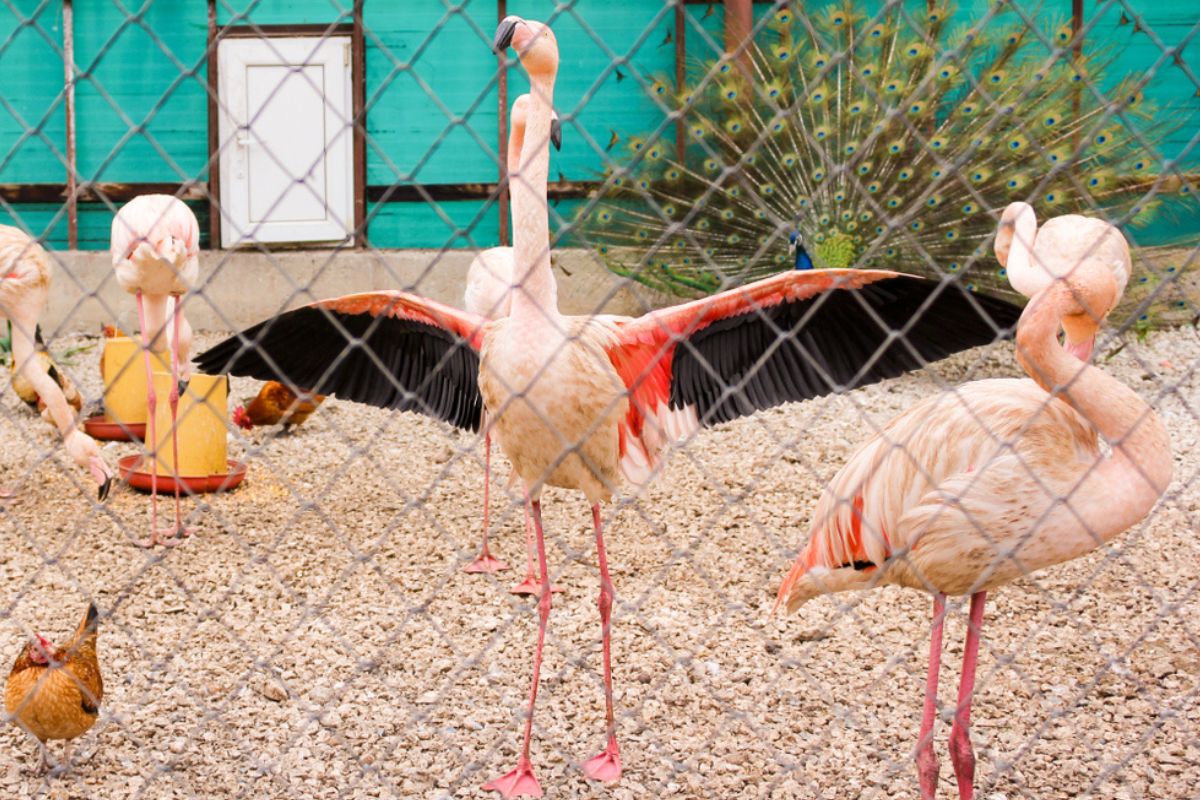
[828,343]
[383,361]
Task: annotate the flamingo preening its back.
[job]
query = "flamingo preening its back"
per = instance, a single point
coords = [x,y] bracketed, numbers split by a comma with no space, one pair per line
[973,488]
[24,291]
[489,294]
[580,402]
[155,254]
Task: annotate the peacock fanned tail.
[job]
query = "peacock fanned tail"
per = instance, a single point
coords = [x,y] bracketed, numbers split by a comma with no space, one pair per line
[886,140]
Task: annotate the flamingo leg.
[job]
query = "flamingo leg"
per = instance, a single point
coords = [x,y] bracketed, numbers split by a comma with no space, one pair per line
[607,765]
[962,755]
[927,763]
[151,437]
[486,562]
[521,782]
[531,585]
[172,534]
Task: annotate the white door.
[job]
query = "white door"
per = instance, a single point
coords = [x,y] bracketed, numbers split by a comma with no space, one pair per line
[286,140]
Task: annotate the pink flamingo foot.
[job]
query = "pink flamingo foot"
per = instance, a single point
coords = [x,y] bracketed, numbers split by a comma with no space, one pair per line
[7,497]
[532,587]
[606,766]
[164,537]
[486,562]
[518,783]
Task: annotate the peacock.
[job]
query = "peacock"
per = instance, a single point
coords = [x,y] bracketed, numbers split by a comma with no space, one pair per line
[888,138]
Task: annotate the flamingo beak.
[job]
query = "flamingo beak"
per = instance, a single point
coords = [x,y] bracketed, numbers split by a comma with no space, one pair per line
[556,133]
[504,33]
[1081,350]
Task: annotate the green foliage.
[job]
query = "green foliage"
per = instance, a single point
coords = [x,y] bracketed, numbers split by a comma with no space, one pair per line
[889,140]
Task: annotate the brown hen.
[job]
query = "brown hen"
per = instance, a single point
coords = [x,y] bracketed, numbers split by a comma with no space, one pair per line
[56,693]
[277,404]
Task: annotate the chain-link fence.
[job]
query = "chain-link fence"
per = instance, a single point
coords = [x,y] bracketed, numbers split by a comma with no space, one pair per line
[689,357]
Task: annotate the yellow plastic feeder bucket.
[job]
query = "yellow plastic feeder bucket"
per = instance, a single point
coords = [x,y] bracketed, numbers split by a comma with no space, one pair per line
[124,373]
[201,426]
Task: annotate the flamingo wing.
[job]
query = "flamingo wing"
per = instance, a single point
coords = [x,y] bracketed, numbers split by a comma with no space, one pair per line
[786,338]
[387,349]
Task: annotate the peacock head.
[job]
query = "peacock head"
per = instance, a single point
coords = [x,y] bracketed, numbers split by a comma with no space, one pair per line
[534,42]
[800,256]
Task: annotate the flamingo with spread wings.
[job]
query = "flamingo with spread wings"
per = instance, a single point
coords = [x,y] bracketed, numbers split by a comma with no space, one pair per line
[579,402]
[489,294]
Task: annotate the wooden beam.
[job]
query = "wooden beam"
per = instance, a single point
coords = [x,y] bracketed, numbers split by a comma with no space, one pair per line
[214,158]
[739,23]
[87,192]
[259,31]
[680,78]
[411,193]
[502,139]
[69,88]
[358,80]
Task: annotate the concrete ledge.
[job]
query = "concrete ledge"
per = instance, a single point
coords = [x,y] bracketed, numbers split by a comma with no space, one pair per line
[239,288]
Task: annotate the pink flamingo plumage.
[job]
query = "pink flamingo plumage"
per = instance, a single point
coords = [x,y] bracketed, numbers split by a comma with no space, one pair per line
[24,292]
[489,294]
[155,252]
[973,488]
[580,402]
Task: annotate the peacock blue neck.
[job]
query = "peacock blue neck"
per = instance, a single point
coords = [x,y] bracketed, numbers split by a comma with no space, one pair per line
[803,259]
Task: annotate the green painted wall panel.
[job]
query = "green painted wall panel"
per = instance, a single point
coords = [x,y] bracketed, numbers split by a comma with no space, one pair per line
[453,224]
[32,120]
[431,94]
[141,107]
[431,87]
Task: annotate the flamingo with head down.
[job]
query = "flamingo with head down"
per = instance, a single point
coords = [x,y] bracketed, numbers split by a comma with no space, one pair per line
[973,488]
[489,294]
[24,292]
[155,254]
[581,402]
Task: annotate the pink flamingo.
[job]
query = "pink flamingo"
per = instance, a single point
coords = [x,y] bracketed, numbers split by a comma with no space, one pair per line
[155,253]
[971,489]
[24,291]
[489,294]
[579,402]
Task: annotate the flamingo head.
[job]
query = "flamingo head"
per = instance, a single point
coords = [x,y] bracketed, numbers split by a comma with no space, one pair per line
[1008,224]
[534,42]
[1094,293]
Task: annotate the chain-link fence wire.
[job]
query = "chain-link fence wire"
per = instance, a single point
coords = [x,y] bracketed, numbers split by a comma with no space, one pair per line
[319,633]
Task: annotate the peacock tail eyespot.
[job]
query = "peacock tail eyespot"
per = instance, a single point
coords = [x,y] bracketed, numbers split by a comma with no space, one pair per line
[824,219]
[848,216]
[1171,270]
[672,174]
[840,197]
[698,132]
[866,216]
[878,229]
[1101,138]
[936,173]
[735,191]
[727,214]
[820,133]
[603,249]
[1015,144]
[1143,279]
[703,224]
[1051,197]
[904,175]
[789,160]
[818,175]
[1180,304]
[856,108]
[1002,273]
[850,148]
[1139,165]
[863,169]
[890,252]
[893,202]
[916,225]
[969,208]
[951,235]
[643,184]
[760,214]
[724,68]
[669,210]
[868,71]
[783,54]
[1094,182]
[802,202]
[820,237]
[711,164]
[953,266]
[967,109]
[1050,122]
[916,108]
[643,235]
[818,97]
[937,143]
[733,238]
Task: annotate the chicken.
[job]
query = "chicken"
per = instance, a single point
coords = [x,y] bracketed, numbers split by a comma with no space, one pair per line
[277,404]
[25,390]
[56,694]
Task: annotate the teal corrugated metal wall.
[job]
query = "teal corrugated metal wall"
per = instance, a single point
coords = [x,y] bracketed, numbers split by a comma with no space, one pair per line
[431,90]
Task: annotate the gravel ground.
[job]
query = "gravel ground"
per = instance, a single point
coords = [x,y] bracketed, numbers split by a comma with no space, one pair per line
[318,639]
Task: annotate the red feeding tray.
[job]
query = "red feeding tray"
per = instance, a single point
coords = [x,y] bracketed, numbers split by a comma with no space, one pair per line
[145,481]
[101,427]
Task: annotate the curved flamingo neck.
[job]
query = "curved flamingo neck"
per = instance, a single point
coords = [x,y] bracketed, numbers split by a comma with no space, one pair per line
[536,293]
[1024,275]
[1118,491]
